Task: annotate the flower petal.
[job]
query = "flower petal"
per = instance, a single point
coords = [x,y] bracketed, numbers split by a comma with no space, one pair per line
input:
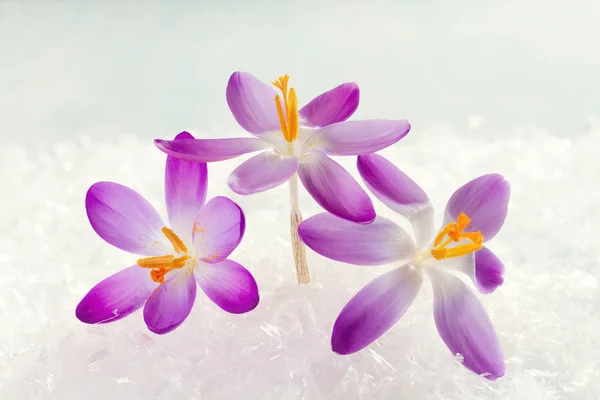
[400,193]
[378,243]
[482,267]
[210,150]
[335,105]
[218,230]
[262,172]
[252,103]
[123,218]
[335,189]
[231,286]
[465,326]
[375,309]
[116,296]
[488,271]
[484,200]
[170,304]
[357,137]
[185,192]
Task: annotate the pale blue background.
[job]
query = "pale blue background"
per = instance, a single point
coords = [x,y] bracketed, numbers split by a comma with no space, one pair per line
[72,68]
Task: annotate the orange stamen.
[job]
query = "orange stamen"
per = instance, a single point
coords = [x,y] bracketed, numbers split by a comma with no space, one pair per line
[289,126]
[161,265]
[155,262]
[174,239]
[455,233]
[282,122]
[158,275]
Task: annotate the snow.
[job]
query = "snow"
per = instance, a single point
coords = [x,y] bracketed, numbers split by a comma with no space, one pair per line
[504,87]
[545,313]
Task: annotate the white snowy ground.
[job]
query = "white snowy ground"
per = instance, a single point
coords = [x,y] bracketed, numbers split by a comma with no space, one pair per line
[546,313]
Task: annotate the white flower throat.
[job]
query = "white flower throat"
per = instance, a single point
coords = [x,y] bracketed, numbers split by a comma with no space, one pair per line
[452,233]
[161,265]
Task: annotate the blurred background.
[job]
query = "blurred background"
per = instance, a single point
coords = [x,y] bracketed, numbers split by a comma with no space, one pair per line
[104,68]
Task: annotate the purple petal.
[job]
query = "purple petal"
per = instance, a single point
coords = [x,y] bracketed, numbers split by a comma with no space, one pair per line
[262,172]
[335,105]
[465,326]
[185,191]
[116,296]
[485,201]
[171,303]
[488,271]
[125,219]
[218,230]
[378,243]
[210,150]
[357,137]
[252,103]
[335,189]
[231,286]
[400,193]
[375,309]
[482,267]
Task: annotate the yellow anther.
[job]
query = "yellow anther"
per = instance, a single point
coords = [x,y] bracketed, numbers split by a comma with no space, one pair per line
[179,262]
[282,121]
[443,233]
[454,232]
[475,237]
[161,265]
[288,121]
[292,115]
[155,262]
[174,239]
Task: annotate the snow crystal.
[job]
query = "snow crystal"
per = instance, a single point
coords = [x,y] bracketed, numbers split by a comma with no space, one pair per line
[546,313]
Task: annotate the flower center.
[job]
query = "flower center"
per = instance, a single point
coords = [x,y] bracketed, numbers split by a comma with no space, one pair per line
[161,265]
[289,120]
[455,232]
[420,256]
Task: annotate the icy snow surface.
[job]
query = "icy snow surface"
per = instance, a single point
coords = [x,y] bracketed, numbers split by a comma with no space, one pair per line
[546,314]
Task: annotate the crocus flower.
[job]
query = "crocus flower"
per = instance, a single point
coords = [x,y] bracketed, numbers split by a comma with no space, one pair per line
[192,249]
[473,215]
[295,140]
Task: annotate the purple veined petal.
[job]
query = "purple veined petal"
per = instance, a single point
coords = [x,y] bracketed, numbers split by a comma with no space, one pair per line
[489,271]
[218,230]
[170,304]
[375,309]
[378,243]
[262,172]
[252,103]
[465,326]
[185,192]
[482,267]
[352,138]
[484,200]
[123,218]
[335,105]
[335,189]
[116,296]
[229,285]
[400,193]
[210,150]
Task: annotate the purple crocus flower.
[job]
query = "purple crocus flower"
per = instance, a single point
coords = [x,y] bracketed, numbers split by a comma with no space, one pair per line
[296,140]
[194,249]
[474,214]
